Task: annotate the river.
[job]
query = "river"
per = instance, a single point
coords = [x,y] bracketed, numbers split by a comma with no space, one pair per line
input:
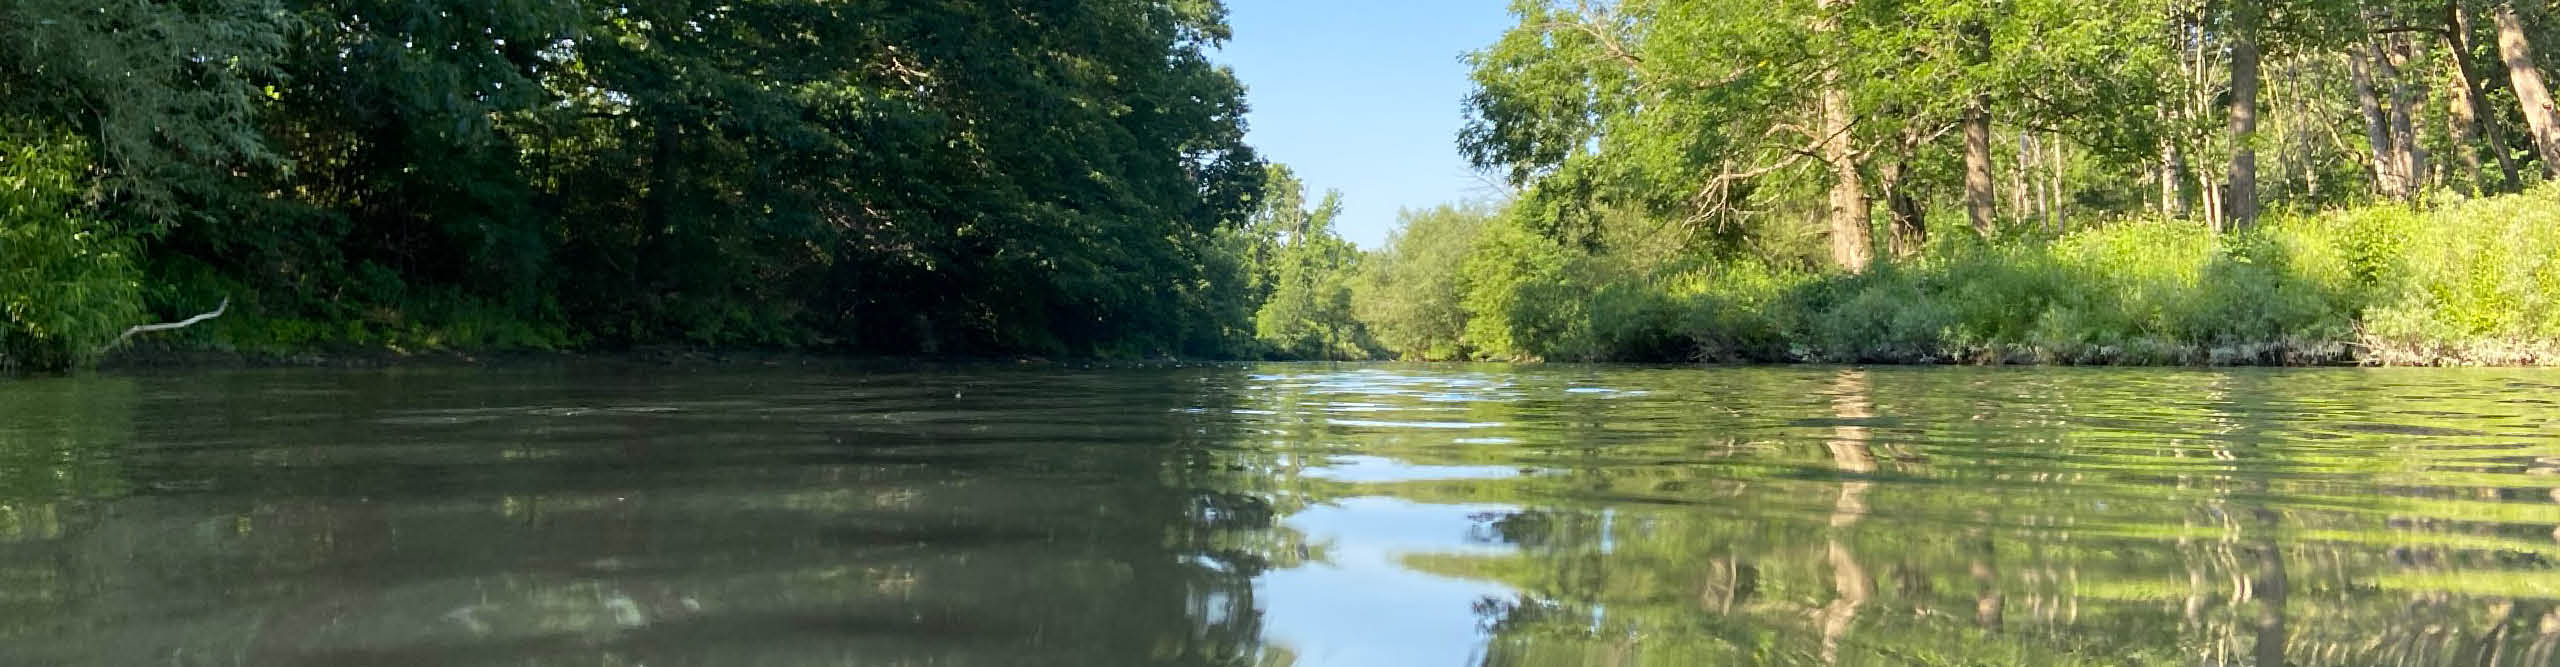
[1281,514]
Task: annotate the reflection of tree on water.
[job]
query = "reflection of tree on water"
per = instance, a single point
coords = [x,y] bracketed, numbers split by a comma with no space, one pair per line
[1739,516]
[799,519]
[2167,523]
[1850,584]
[58,444]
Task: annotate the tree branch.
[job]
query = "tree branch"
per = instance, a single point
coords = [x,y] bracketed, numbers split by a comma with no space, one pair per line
[172,326]
[2385,30]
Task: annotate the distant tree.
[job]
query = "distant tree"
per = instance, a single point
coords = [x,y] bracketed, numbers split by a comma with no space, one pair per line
[1409,293]
[1307,313]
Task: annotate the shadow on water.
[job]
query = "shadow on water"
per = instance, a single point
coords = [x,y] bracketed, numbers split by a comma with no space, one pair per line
[316,518]
[1282,514]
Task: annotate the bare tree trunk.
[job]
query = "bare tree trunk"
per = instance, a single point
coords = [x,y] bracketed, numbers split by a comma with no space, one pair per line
[2305,151]
[1978,197]
[1851,220]
[2539,117]
[2377,127]
[2242,209]
[2464,126]
[2031,159]
[2169,199]
[2211,190]
[2406,99]
[1907,221]
[2053,182]
[2475,103]
[2019,195]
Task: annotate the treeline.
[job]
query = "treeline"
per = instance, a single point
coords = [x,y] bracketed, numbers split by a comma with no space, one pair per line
[889,176]
[2120,181]
[1831,180]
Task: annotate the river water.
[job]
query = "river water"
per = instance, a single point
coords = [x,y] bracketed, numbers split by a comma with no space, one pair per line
[1281,514]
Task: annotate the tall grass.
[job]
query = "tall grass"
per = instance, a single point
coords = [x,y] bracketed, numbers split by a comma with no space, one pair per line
[2473,282]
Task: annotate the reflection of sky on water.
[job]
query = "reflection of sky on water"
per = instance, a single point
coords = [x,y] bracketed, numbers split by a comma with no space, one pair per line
[1362,606]
[1379,469]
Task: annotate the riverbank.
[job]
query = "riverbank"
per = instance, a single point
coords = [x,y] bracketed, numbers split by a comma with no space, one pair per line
[181,358]
[2458,283]
[2463,283]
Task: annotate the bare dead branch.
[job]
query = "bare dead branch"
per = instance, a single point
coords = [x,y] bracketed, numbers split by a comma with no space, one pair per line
[172,326]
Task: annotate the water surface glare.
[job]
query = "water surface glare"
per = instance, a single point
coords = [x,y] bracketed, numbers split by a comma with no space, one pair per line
[1282,514]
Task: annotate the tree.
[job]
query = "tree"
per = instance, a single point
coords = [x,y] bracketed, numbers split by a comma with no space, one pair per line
[1410,293]
[1851,248]
[2524,74]
[2241,199]
[1308,312]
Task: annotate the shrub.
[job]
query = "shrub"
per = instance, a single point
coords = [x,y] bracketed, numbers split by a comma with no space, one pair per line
[2472,282]
[67,282]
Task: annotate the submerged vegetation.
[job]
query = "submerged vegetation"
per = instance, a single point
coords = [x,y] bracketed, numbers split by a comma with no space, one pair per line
[2140,181]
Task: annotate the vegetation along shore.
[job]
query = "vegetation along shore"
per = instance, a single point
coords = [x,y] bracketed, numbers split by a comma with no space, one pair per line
[1868,181]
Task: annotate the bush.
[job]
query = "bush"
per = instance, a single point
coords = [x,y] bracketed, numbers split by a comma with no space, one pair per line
[2475,282]
[67,282]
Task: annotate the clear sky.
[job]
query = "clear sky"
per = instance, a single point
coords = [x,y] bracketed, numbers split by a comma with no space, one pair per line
[1364,96]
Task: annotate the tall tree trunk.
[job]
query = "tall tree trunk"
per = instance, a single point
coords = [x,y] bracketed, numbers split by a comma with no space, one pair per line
[2464,126]
[2019,194]
[2539,117]
[2053,182]
[2406,99]
[2173,167]
[1978,197]
[2475,103]
[1851,220]
[2030,188]
[2388,180]
[2242,209]
[1908,221]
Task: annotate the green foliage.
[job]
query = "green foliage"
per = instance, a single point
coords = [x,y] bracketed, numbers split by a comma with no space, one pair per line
[1308,271]
[166,93]
[2471,283]
[1522,299]
[2474,283]
[1409,293]
[67,282]
[947,176]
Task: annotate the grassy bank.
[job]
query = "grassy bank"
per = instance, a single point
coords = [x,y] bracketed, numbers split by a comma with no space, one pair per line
[2465,283]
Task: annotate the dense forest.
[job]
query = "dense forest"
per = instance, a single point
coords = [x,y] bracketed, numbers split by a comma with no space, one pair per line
[948,177]
[2128,181]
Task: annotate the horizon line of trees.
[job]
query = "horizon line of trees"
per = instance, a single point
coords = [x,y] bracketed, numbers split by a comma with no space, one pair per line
[1022,177]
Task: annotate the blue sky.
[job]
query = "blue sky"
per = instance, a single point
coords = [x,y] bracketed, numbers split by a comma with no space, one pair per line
[1364,96]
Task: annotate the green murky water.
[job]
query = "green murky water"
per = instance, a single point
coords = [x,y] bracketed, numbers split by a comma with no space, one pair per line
[1321,515]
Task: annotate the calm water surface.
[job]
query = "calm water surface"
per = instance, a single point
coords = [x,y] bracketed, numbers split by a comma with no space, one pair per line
[1285,514]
